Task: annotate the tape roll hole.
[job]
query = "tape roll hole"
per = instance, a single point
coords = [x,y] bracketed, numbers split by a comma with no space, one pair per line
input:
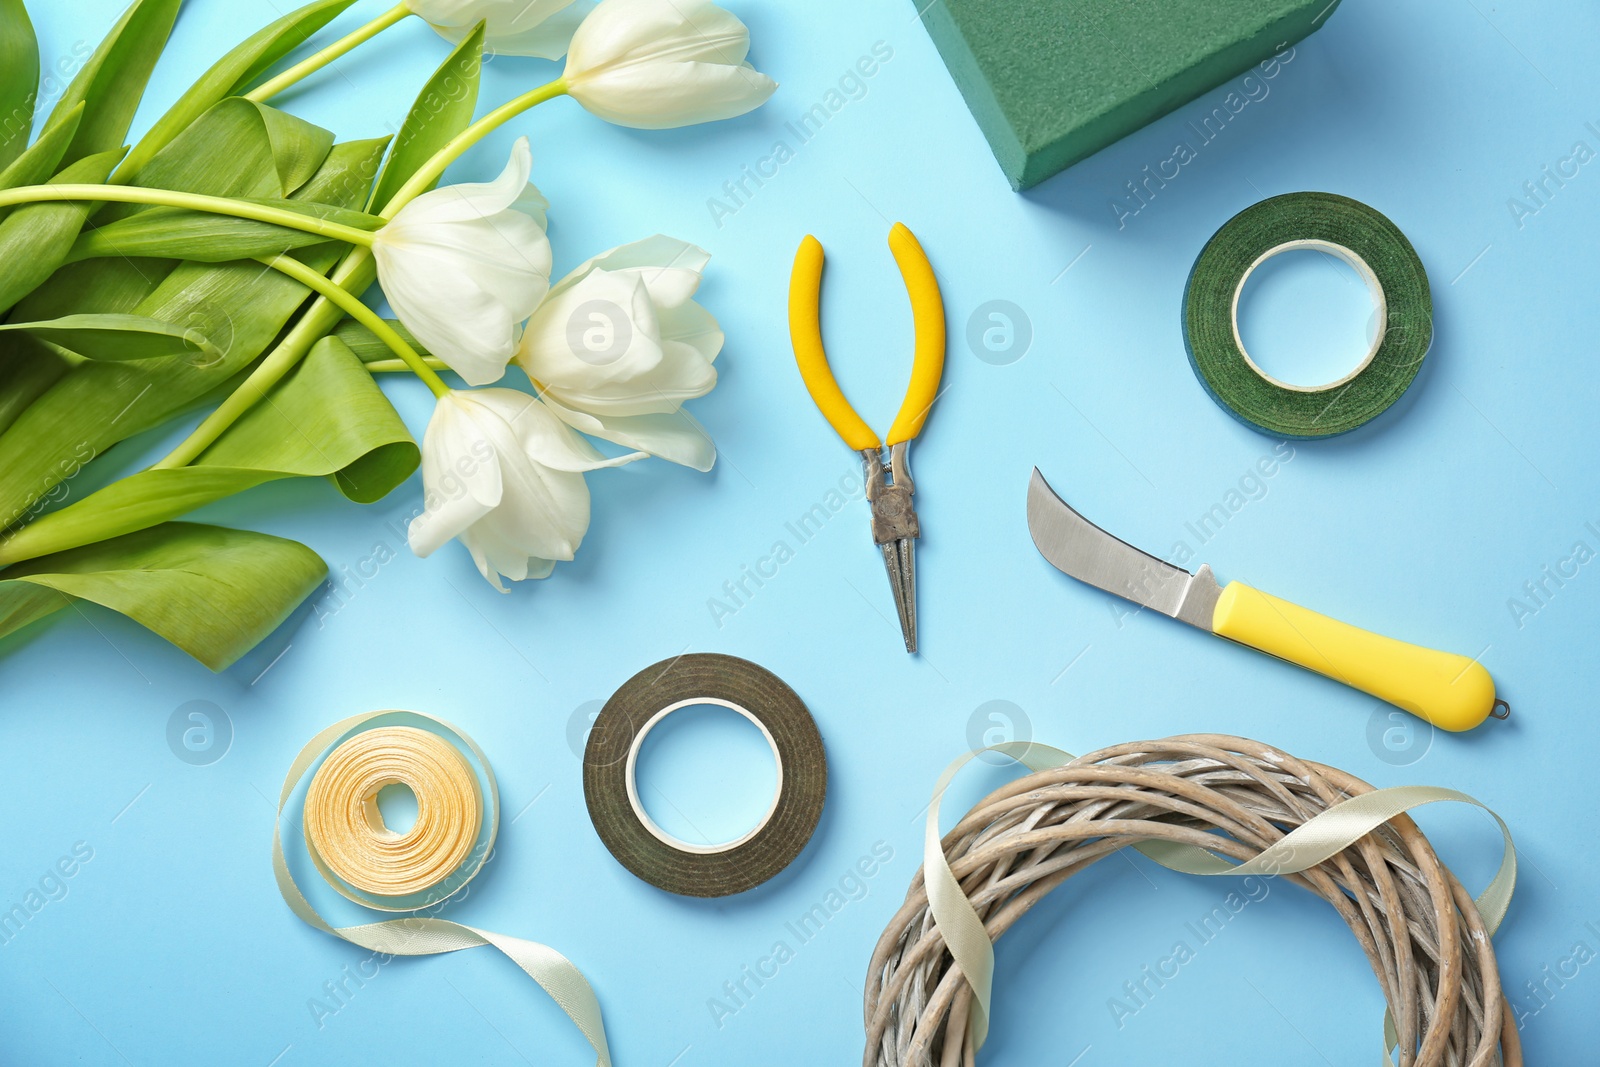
[1298,318]
[704,776]
[393,810]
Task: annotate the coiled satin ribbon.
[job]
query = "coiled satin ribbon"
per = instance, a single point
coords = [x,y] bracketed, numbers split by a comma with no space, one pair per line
[457,819]
[1316,840]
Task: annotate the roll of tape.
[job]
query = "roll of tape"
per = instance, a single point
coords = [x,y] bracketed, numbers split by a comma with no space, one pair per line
[1366,240]
[634,838]
[420,867]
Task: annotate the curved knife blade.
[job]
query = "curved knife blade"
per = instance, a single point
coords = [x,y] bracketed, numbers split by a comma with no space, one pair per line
[1078,547]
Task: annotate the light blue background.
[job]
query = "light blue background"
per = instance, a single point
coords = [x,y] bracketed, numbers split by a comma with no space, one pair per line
[173,946]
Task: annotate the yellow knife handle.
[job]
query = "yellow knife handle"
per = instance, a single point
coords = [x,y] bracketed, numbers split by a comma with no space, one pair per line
[1450,691]
[927,313]
[805,332]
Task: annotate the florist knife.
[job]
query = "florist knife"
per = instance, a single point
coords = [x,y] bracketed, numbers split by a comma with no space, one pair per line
[1451,692]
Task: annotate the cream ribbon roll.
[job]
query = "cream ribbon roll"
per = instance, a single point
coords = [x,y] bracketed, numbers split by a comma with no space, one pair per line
[457,819]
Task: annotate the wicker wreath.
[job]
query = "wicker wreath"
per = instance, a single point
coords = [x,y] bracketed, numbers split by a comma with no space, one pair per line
[1419,927]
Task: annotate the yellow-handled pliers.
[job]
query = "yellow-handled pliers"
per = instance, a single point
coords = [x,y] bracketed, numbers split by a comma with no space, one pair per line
[889,486]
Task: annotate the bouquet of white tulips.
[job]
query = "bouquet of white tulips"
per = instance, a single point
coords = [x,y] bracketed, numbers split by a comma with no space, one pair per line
[218,267]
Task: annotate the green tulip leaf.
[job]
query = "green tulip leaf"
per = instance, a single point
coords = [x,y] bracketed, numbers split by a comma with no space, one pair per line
[117,337]
[213,592]
[113,81]
[36,239]
[233,150]
[326,419]
[443,109]
[98,286]
[27,369]
[199,236]
[239,148]
[19,79]
[366,345]
[43,157]
[230,75]
[241,308]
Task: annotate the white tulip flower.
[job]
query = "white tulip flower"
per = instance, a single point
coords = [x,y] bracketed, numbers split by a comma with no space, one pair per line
[656,64]
[618,346]
[511,27]
[505,476]
[465,265]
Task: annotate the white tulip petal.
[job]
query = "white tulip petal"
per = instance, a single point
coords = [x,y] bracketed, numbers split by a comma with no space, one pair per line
[693,325]
[669,267]
[504,475]
[507,256]
[540,28]
[673,436]
[533,204]
[432,530]
[638,295]
[549,39]
[685,95]
[475,336]
[656,64]
[600,331]
[546,516]
[624,31]
[655,252]
[688,375]
[682,375]
[508,562]
[473,200]
[460,473]
[463,266]
[516,27]
[456,431]
[533,430]
[647,373]
[490,573]
[668,287]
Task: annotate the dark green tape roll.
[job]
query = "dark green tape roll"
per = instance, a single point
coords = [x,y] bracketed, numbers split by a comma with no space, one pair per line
[621,820]
[1378,251]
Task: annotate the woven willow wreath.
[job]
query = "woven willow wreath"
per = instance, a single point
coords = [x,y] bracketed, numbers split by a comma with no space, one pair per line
[1419,927]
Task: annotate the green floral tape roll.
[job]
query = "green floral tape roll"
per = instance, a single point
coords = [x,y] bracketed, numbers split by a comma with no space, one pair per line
[1360,236]
[611,790]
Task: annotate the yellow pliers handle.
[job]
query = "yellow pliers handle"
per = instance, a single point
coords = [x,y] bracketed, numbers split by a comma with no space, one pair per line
[805,330]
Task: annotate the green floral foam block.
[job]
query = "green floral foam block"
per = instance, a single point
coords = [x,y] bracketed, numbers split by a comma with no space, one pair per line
[1053,81]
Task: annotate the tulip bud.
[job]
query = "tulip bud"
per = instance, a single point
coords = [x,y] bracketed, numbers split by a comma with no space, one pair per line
[505,477]
[511,27]
[465,265]
[657,64]
[619,345]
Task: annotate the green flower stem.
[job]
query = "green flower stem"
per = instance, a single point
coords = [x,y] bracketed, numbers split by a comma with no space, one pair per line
[351,305]
[338,50]
[354,275]
[215,205]
[400,366]
[434,169]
